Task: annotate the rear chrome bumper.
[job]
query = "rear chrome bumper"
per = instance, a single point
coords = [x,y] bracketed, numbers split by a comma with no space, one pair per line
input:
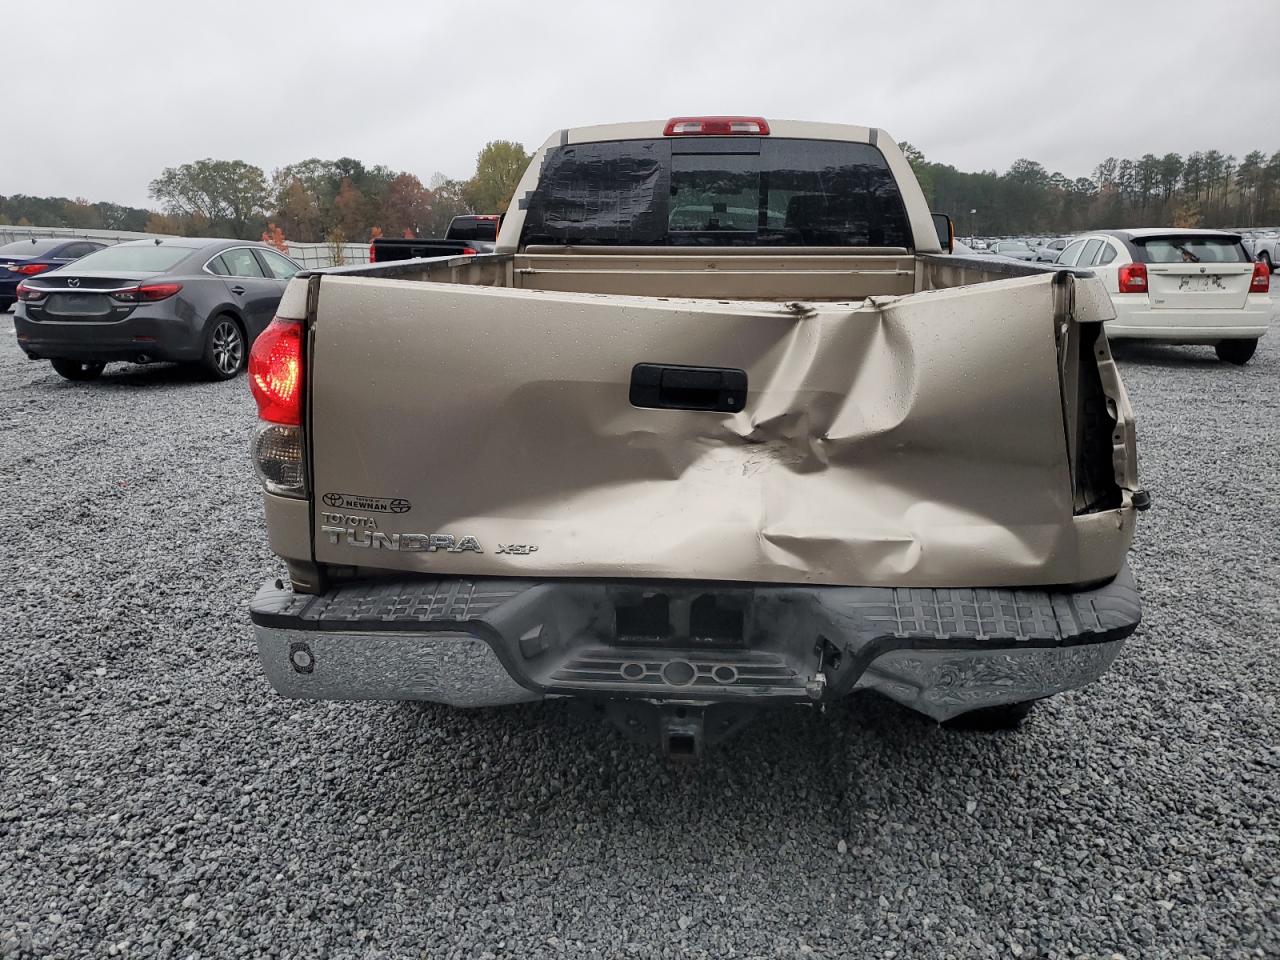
[472,643]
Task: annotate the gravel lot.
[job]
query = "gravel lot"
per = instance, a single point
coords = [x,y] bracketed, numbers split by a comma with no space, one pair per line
[157,799]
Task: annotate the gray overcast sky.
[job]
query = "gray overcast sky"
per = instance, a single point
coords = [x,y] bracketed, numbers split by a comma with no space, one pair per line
[121,89]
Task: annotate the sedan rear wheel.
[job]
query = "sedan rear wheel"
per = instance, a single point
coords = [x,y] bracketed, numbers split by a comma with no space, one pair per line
[224,349]
[75,370]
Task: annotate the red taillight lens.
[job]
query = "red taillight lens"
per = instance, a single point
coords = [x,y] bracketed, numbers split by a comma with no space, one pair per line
[716,127]
[1133,278]
[30,294]
[275,372]
[146,293]
[373,253]
[158,291]
[469,252]
[31,269]
[1261,282]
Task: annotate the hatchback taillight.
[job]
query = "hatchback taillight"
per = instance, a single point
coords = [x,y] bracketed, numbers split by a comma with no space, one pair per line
[1261,282]
[1133,278]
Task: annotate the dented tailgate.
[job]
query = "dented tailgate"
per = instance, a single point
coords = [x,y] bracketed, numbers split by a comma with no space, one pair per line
[909,441]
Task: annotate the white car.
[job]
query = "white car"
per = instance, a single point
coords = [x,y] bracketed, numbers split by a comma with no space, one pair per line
[1180,286]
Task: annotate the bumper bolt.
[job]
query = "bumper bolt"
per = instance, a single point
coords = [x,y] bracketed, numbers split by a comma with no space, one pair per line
[301,658]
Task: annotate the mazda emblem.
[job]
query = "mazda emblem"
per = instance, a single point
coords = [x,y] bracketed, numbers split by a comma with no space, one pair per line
[73,282]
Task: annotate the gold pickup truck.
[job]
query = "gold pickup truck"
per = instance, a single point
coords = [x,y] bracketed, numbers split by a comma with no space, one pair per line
[718,424]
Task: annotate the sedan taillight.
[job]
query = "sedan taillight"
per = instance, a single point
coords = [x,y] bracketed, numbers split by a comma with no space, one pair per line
[29,294]
[31,269]
[146,293]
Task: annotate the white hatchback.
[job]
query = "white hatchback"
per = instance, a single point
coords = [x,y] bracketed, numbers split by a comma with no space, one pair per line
[1179,286]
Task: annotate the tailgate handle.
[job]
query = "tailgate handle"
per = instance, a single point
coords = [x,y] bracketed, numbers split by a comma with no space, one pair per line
[668,386]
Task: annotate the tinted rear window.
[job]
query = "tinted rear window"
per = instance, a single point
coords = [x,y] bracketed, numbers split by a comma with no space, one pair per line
[1190,249]
[472,228]
[25,248]
[750,191]
[147,258]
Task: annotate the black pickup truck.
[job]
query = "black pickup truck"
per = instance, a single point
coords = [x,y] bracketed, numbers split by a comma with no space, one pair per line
[470,234]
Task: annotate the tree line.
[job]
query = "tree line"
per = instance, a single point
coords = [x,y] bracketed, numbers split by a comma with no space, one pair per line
[311,201]
[343,200]
[1202,189]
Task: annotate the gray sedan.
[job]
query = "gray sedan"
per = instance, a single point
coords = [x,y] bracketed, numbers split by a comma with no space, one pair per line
[181,299]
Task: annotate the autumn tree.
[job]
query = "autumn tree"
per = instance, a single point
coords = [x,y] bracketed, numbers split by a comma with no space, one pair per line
[228,194]
[273,236]
[406,206]
[80,213]
[349,208]
[176,225]
[499,167]
[297,211]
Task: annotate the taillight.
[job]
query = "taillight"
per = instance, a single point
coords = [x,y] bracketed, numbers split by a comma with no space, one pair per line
[31,269]
[146,293]
[275,372]
[30,294]
[373,253]
[275,380]
[716,127]
[469,252]
[1261,282]
[1133,278]
[279,459]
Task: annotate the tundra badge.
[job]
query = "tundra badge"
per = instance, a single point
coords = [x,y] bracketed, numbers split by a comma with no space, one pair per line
[404,542]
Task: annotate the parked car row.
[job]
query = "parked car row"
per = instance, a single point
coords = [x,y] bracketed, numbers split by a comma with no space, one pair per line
[1261,245]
